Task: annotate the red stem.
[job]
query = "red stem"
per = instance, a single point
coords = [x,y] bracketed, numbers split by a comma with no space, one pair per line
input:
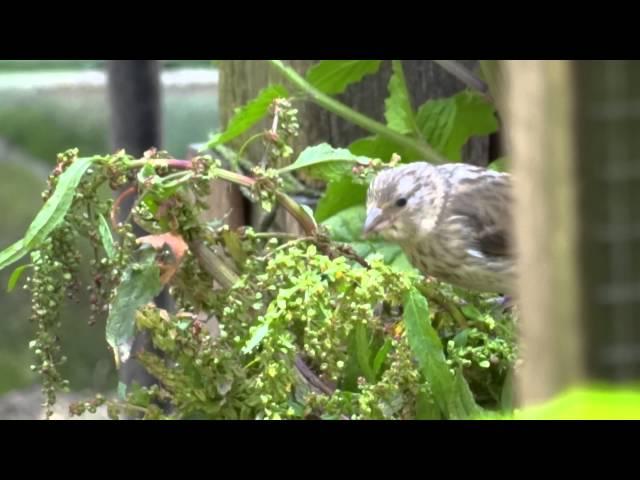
[116,205]
[287,202]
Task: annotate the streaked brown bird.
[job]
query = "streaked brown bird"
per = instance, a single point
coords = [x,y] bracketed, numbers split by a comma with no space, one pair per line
[453,221]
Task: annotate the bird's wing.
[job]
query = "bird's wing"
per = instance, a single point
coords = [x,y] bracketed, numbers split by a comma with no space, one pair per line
[482,200]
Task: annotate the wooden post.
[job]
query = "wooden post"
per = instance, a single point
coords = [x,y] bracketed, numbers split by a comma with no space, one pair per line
[541,127]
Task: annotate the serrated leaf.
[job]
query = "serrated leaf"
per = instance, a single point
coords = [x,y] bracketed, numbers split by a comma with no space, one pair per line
[325,162]
[506,396]
[105,236]
[250,114]
[54,210]
[461,403]
[363,353]
[334,76]
[398,111]
[378,147]
[474,116]
[15,276]
[347,225]
[450,392]
[338,196]
[140,285]
[13,253]
[427,347]
[447,124]
[259,333]
[435,119]
[381,356]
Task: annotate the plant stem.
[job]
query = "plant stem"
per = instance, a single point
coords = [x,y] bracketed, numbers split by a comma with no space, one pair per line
[428,291]
[168,162]
[357,118]
[465,76]
[285,200]
[234,177]
[294,208]
[244,146]
[215,263]
[116,205]
[285,235]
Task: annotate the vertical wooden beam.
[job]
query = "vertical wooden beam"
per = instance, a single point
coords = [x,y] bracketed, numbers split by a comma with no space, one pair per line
[541,127]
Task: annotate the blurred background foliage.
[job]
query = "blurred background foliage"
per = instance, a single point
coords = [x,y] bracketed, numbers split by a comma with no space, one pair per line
[44,110]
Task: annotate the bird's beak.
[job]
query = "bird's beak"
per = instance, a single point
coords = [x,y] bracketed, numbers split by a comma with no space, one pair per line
[374,222]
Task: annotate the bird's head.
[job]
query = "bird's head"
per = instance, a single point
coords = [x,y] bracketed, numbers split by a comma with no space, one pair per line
[404,201]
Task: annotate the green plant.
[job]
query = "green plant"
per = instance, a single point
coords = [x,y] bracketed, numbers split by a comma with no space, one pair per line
[327,325]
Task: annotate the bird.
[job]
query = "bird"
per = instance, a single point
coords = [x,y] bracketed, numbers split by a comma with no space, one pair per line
[453,221]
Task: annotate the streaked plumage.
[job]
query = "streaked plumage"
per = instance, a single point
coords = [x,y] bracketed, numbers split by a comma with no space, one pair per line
[453,221]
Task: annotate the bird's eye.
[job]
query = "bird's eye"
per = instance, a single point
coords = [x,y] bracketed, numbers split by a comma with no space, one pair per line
[401,202]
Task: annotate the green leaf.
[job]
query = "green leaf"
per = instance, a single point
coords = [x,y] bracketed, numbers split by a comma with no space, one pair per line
[334,76]
[325,162]
[352,370]
[426,346]
[506,397]
[398,111]
[339,195]
[461,403]
[500,164]
[309,212]
[54,210]
[426,408]
[258,334]
[470,311]
[15,276]
[105,236]
[447,124]
[146,172]
[363,353]
[13,253]
[233,244]
[381,356]
[183,325]
[450,392]
[247,116]
[122,390]
[346,226]
[460,340]
[435,119]
[140,285]
[378,147]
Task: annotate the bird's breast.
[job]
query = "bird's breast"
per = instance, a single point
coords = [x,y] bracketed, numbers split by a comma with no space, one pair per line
[452,263]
